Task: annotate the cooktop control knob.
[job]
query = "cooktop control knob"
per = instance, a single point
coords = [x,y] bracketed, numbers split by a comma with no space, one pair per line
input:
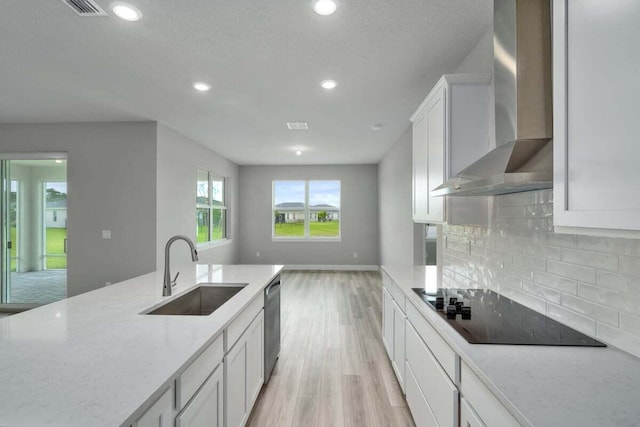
[452,300]
[451,311]
[459,305]
[466,313]
[439,303]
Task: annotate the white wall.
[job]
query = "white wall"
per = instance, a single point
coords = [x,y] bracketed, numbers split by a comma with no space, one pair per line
[395,204]
[178,161]
[358,216]
[111,173]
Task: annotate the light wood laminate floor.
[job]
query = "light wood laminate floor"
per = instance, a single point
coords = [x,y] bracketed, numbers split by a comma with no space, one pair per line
[333,369]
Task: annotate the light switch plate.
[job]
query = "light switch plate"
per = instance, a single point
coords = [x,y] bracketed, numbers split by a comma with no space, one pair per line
[106,234]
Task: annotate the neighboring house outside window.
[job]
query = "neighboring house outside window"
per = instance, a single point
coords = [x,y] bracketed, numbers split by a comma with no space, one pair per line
[306,210]
[211,210]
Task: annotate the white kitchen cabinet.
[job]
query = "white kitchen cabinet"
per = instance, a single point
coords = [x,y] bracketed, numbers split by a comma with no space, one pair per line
[596,90]
[244,373]
[450,131]
[393,330]
[160,414]
[439,392]
[468,417]
[207,408]
[387,322]
[488,409]
[420,410]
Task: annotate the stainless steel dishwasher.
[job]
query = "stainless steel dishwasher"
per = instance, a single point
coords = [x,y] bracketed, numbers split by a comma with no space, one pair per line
[271,326]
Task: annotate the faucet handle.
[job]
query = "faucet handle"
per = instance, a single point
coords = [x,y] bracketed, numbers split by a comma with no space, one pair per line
[173,282]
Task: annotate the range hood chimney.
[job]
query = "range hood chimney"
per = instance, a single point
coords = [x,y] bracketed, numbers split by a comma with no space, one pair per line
[523,159]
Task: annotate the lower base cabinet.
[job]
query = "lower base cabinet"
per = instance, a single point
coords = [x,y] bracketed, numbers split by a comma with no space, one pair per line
[244,366]
[420,410]
[160,414]
[482,403]
[468,417]
[206,409]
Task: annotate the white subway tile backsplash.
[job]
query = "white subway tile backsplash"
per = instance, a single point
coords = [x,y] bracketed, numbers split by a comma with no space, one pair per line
[629,322]
[593,259]
[571,318]
[572,271]
[589,283]
[556,282]
[623,340]
[591,310]
[630,265]
[548,294]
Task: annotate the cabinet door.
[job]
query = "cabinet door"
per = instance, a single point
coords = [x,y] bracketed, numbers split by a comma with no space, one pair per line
[596,90]
[468,417]
[387,322]
[159,414]
[206,409]
[435,117]
[420,170]
[236,384]
[255,360]
[420,410]
[398,343]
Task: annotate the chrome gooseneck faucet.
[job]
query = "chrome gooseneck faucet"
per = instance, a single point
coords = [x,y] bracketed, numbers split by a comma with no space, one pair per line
[168,283]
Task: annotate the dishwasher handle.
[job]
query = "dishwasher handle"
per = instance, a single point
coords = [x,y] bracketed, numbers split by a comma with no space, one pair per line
[272,289]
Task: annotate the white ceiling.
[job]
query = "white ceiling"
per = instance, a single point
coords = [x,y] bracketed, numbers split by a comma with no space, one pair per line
[264,59]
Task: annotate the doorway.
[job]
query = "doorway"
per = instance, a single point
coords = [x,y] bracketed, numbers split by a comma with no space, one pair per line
[33,247]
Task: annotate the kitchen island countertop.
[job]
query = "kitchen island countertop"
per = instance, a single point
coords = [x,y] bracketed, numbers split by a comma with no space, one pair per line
[540,385]
[94,360]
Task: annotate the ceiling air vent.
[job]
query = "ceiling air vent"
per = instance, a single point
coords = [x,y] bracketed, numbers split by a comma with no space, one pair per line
[298,125]
[85,7]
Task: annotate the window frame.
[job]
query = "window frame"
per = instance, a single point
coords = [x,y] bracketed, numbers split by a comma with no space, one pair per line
[210,206]
[307,214]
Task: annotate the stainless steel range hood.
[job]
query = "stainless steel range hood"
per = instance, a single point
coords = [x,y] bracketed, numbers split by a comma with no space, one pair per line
[523,159]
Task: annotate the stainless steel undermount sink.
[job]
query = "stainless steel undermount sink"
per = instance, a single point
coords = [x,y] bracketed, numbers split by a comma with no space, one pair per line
[200,301]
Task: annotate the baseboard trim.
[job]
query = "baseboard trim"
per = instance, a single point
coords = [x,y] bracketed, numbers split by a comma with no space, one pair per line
[332,267]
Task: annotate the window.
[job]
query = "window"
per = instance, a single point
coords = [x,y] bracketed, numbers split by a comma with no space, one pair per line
[306,210]
[211,212]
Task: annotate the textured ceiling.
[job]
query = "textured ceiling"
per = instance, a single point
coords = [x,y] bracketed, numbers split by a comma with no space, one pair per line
[264,59]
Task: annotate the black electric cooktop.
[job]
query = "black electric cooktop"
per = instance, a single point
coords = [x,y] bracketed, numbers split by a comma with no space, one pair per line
[482,316]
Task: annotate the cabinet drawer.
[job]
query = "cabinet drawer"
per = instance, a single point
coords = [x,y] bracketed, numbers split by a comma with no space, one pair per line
[440,349]
[486,405]
[437,388]
[394,291]
[417,403]
[206,408]
[242,322]
[192,378]
[159,414]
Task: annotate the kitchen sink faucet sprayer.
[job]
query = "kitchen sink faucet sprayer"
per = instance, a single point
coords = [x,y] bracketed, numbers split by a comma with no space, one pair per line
[168,283]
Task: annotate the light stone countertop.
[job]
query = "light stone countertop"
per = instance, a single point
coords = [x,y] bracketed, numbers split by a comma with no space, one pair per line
[541,385]
[93,360]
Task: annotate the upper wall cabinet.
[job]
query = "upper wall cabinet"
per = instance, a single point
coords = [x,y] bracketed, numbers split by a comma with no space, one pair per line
[596,127]
[450,131]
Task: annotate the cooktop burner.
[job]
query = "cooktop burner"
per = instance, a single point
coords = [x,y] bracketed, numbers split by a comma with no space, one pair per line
[482,316]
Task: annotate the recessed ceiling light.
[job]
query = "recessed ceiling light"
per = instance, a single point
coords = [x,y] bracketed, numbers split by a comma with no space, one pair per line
[298,153]
[126,11]
[376,127]
[298,125]
[325,7]
[201,86]
[328,84]
[58,161]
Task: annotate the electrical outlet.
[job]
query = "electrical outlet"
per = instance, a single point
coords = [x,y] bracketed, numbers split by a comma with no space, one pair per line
[107,283]
[355,254]
[258,254]
[106,234]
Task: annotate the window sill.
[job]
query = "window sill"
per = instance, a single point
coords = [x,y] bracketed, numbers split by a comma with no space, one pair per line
[306,239]
[214,244]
